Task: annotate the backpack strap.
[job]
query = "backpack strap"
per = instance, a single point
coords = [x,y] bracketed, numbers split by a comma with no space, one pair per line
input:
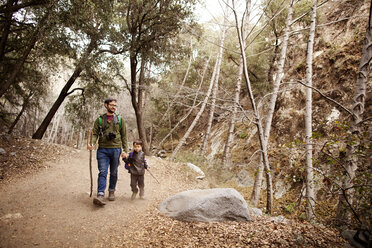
[100,126]
[119,120]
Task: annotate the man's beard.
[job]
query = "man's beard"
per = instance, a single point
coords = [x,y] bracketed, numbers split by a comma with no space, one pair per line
[110,111]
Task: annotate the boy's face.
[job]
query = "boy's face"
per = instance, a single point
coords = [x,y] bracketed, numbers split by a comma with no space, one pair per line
[137,147]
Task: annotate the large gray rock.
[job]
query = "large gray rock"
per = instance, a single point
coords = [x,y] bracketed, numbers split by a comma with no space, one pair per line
[220,204]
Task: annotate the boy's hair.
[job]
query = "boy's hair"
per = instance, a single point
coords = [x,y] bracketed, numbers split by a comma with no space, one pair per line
[137,142]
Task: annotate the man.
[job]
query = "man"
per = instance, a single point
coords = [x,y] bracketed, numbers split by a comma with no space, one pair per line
[110,131]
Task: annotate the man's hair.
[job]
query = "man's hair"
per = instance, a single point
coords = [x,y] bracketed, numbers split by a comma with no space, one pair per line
[137,142]
[108,100]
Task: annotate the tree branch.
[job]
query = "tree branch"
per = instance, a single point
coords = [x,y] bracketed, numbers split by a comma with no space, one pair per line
[15,8]
[329,99]
[72,91]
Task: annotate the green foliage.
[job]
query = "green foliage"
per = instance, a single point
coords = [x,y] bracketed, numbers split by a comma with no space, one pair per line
[290,208]
[243,135]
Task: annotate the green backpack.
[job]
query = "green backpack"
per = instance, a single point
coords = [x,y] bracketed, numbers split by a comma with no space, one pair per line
[100,123]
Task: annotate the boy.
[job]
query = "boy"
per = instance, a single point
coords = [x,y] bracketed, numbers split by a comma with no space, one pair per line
[137,166]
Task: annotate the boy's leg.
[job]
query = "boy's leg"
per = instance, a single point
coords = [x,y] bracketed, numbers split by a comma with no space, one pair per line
[141,185]
[114,163]
[133,185]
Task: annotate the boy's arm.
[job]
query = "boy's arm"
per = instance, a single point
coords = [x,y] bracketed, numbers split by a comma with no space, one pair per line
[145,163]
[123,135]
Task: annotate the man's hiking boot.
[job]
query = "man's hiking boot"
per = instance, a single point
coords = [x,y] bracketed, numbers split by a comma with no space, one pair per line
[133,196]
[99,200]
[111,196]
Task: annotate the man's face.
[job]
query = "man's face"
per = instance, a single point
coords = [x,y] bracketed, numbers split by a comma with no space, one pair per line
[111,107]
[137,147]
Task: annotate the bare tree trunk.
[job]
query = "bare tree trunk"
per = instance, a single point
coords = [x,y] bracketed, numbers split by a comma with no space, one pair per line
[226,158]
[351,165]
[257,117]
[36,119]
[83,132]
[64,93]
[310,198]
[54,137]
[25,124]
[272,102]
[78,138]
[151,136]
[215,88]
[51,130]
[191,108]
[197,117]
[271,70]
[70,143]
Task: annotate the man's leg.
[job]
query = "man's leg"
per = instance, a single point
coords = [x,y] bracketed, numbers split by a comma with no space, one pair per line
[103,161]
[114,163]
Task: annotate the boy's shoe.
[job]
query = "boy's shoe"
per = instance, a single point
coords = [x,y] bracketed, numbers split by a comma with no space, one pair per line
[111,196]
[142,193]
[133,196]
[99,200]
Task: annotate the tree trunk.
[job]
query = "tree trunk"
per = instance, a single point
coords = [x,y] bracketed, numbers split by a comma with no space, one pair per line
[137,100]
[271,71]
[19,64]
[64,93]
[54,136]
[6,29]
[351,165]
[36,119]
[257,118]
[197,117]
[310,198]
[272,102]
[215,88]
[24,106]
[226,158]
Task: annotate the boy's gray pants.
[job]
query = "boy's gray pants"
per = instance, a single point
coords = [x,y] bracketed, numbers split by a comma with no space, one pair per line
[137,179]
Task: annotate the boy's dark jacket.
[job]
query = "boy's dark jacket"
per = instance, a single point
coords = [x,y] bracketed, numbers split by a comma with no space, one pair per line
[137,162]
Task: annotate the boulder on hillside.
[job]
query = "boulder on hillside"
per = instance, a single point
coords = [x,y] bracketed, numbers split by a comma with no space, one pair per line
[220,204]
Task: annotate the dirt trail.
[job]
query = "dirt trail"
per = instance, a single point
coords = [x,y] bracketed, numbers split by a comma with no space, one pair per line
[52,208]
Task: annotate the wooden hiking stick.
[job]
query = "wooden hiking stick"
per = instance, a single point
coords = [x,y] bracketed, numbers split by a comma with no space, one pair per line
[153,176]
[90,163]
